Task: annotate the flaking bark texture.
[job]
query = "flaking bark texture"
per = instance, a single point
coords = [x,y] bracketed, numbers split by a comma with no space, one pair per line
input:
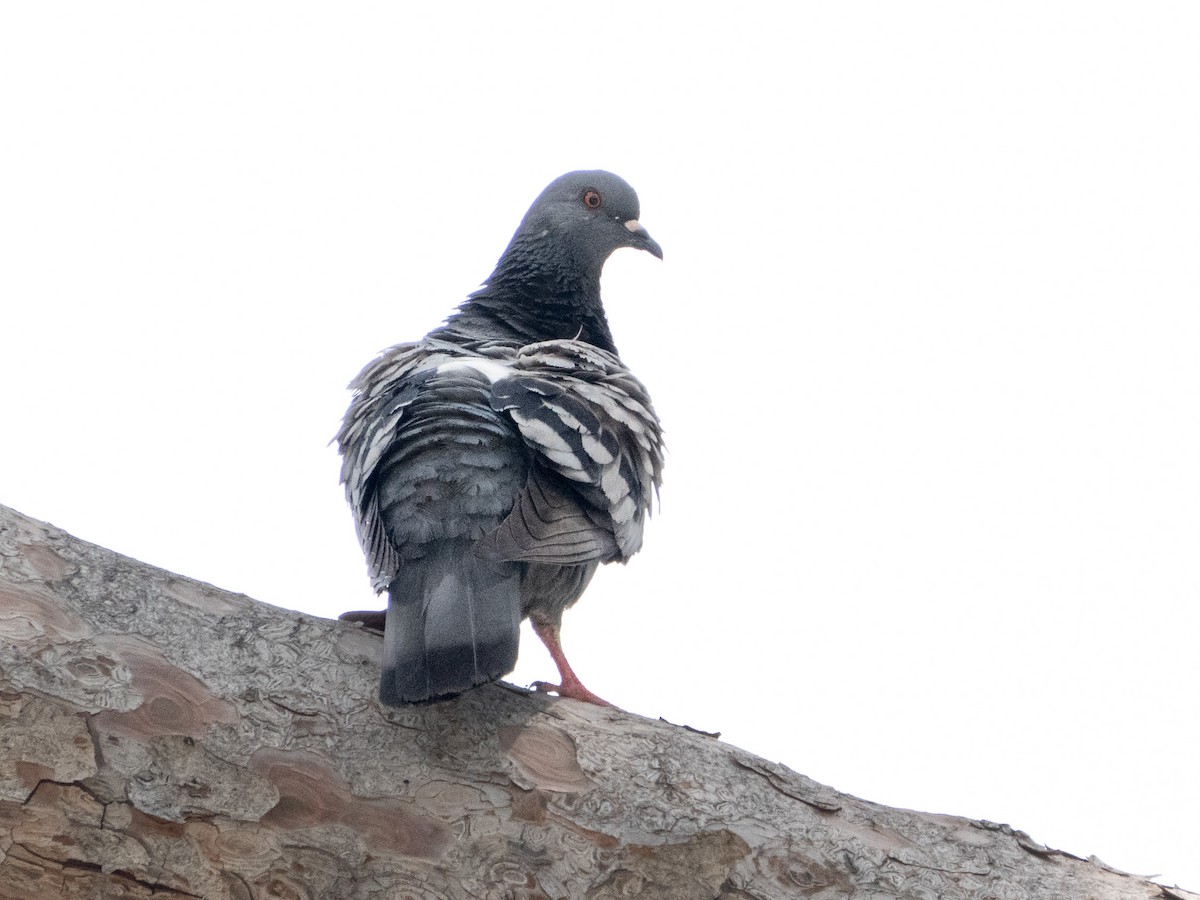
[161,738]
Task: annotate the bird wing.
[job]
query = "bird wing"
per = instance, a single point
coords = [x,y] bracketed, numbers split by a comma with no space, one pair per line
[383,392]
[588,423]
[598,456]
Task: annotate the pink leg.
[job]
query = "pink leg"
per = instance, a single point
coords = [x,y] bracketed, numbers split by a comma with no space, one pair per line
[571,686]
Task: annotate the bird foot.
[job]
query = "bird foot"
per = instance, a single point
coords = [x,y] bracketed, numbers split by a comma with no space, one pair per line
[572,688]
[370,618]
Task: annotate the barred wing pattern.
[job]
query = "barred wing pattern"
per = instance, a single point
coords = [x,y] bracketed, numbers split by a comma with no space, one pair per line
[382,392]
[590,423]
[595,444]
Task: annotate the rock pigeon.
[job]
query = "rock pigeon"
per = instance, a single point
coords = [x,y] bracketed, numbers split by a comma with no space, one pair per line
[494,464]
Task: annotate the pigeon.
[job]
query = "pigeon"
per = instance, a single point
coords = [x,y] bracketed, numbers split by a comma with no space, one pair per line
[491,466]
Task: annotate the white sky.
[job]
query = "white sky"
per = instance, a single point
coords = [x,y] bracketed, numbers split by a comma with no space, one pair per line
[924,343]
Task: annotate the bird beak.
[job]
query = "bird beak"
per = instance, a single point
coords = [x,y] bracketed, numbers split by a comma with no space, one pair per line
[642,239]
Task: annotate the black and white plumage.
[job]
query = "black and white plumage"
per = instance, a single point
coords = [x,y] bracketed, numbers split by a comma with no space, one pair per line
[494,464]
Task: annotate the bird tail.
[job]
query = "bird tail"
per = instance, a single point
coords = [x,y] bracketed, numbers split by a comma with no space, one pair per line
[453,622]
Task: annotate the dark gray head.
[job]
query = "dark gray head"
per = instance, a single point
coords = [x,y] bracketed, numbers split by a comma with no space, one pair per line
[579,220]
[547,284]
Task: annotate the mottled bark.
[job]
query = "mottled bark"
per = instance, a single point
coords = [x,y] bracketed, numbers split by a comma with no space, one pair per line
[163,738]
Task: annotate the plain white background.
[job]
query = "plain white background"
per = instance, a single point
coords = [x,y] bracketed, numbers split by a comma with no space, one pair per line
[924,341]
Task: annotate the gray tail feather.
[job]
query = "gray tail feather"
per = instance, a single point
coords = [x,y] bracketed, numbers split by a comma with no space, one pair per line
[453,622]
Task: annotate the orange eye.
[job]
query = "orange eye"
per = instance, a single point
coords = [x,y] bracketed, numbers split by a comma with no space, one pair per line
[591,199]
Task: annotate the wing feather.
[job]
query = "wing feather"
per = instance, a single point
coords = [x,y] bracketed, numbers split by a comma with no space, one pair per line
[595,441]
[591,423]
[547,525]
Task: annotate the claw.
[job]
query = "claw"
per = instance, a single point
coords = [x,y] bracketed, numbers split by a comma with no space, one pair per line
[573,690]
[370,618]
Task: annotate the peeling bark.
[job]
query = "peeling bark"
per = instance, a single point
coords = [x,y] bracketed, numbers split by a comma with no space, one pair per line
[161,738]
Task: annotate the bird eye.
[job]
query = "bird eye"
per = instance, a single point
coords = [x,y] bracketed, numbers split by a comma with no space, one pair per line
[591,199]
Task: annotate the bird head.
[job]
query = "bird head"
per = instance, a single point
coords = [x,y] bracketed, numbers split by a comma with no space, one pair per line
[586,216]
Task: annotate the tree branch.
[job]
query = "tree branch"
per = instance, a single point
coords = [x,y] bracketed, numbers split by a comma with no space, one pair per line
[161,738]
